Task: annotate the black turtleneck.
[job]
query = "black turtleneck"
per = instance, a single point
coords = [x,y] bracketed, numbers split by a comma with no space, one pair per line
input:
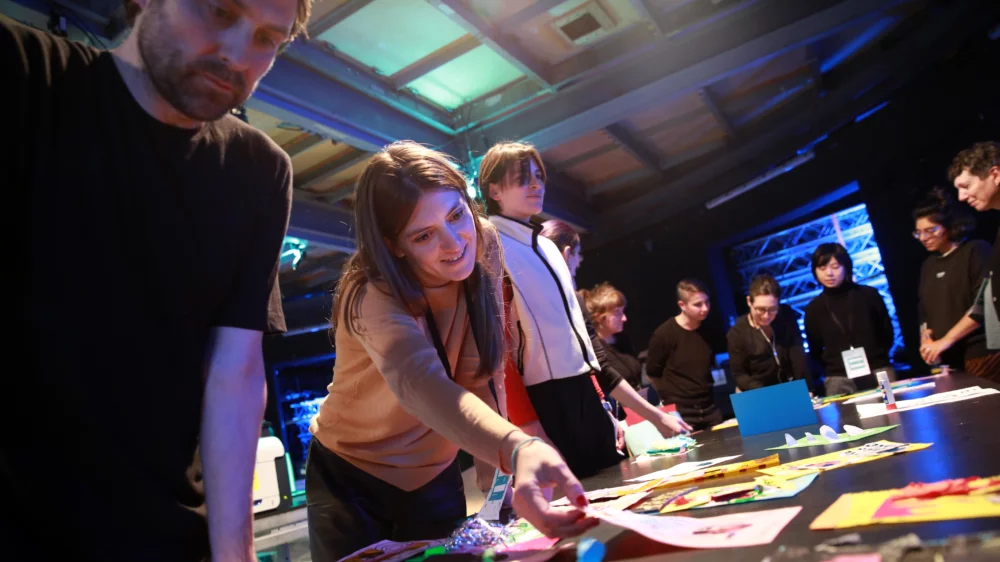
[863,322]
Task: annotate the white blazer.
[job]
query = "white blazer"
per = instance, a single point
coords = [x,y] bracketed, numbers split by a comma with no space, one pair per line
[549,334]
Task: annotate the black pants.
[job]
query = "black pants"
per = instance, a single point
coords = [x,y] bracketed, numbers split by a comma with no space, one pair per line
[573,417]
[700,416]
[350,509]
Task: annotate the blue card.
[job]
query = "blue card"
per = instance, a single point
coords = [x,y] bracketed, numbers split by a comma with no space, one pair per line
[774,408]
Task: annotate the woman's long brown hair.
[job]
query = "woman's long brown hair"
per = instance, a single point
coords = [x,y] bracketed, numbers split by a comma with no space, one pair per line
[386,195]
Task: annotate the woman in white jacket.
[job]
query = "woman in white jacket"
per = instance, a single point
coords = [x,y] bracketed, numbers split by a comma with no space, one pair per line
[549,343]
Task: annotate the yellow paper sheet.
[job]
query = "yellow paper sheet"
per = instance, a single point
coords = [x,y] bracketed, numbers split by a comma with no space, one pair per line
[871,508]
[728,423]
[831,461]
[721,471]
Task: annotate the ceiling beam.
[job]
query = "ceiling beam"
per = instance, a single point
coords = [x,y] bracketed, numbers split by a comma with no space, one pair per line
[435,60]
[642,9]
[505,46]
[809,117]
[315,178]
[672,162]
[526,14]
[322,59]
[298,94]
[716,111]
[653,78]
[625,140]
[582,157]
[564,200]
[325,22]
[302,143]
[326,225]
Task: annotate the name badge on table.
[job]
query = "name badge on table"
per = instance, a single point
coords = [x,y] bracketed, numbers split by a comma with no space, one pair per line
[494,498]
[856,362]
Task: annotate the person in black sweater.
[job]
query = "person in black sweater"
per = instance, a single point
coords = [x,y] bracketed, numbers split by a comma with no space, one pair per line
[843,317]
[680,360]
[949,280]
[762,349]
[606,306]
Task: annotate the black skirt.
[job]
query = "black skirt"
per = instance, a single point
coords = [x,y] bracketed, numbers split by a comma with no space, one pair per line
[349,509]
[573,417]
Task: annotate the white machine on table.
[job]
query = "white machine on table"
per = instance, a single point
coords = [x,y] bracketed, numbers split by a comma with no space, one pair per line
[267,493]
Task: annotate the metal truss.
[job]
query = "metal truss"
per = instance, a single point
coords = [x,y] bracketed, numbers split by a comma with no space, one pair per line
[787,256]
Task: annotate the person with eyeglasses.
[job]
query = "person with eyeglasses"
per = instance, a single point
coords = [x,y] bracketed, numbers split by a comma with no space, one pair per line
[848,327]
[949,281]
[762,349]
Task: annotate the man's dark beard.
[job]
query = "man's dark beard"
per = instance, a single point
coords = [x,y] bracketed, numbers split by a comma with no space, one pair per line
[176,82]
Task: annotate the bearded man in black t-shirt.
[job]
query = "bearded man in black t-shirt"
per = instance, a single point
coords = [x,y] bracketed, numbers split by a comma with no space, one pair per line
[149,227]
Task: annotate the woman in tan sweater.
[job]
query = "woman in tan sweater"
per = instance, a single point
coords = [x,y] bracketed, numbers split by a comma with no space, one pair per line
[418,324]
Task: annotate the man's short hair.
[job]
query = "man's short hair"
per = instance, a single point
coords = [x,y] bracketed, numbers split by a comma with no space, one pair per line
[979,159]
[302,14]
[688,287]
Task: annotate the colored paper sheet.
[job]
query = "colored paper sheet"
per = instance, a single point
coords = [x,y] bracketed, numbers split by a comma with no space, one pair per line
[725,531]
[885,506]
[839,459]
[895,392]
[726,424]
[644,439]
[716,472]
[771,488]
[757,414]
[682,468]
[841,438]
[389,551]
[610,493]
[872,410]
[656,502]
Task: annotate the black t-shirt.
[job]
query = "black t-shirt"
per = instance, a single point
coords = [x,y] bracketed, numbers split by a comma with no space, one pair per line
[949,286]
[680,365]
[849,316]
[133,240]
[752,358]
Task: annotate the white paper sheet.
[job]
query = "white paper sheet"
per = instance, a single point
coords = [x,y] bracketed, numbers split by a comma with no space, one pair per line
[682,468]
[872,410]
[878,395]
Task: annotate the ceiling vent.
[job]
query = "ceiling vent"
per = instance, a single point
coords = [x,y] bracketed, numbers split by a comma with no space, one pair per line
[584,25]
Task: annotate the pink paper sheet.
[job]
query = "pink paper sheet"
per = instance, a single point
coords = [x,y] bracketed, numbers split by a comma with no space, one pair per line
[725,531]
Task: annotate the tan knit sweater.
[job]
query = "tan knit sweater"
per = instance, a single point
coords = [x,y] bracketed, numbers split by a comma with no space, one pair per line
[391,410]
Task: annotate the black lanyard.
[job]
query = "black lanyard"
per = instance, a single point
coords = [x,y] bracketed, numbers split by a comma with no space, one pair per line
[850,316]
[439,345]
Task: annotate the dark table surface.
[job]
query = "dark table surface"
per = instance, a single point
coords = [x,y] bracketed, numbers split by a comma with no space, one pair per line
[966,438]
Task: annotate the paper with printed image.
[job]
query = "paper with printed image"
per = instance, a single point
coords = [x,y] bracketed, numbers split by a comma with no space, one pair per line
[830,461]
[872,410]
[762,488]
[941,501]
[389,551]
[725,531]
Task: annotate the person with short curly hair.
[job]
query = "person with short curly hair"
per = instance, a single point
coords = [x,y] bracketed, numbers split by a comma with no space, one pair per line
[975,173]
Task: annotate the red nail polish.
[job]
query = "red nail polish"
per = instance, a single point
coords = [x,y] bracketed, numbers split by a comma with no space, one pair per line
[581,501]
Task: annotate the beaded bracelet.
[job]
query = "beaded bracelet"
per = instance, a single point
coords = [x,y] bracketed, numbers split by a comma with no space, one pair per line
[513,454]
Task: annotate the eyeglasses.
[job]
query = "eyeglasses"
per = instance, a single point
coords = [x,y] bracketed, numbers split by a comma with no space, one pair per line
[927,232]
[763,310]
